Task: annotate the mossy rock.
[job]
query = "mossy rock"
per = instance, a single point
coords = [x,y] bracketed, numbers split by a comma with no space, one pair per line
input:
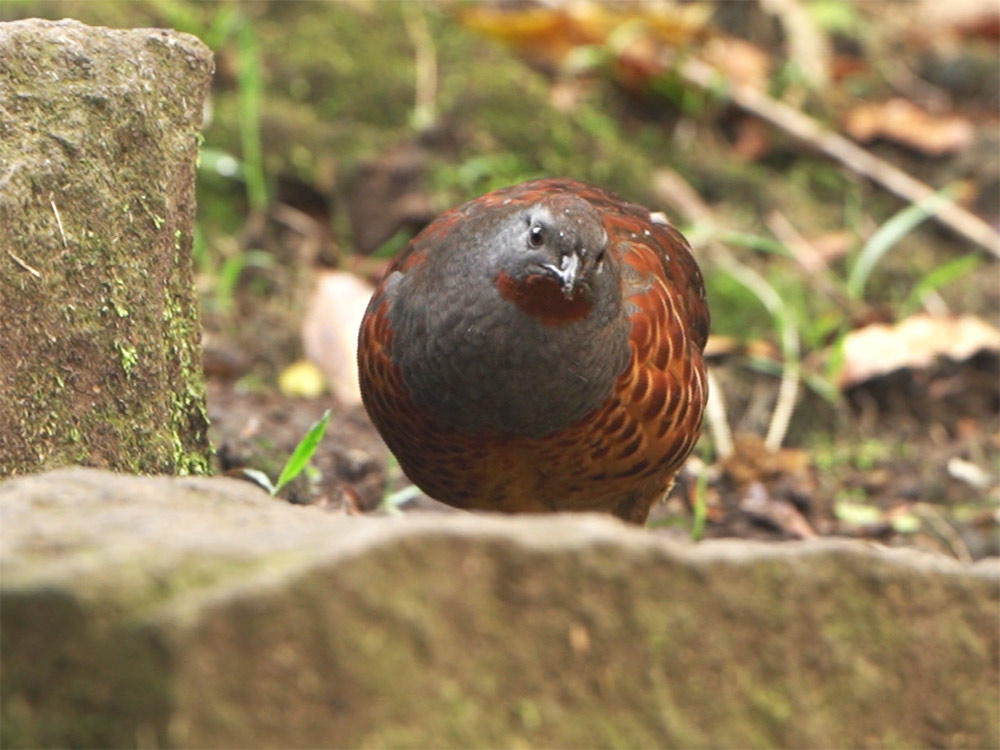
[202,613]
[100,342]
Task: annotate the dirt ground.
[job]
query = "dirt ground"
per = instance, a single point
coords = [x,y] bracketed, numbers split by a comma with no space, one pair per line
[921,499]
[337,130]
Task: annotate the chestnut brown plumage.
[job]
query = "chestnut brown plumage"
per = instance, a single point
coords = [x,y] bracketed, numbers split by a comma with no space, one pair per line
[540,349]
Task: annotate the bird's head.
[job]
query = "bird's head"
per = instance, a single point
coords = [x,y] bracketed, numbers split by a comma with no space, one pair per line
[551,258]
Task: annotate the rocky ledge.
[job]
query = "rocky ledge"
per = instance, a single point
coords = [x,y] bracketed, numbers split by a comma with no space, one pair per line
[201,612]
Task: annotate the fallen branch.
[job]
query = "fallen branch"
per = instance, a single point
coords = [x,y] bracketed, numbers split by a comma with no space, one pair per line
[848,153]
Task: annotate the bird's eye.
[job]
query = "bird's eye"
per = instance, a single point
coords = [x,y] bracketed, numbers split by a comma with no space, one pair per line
[536,235]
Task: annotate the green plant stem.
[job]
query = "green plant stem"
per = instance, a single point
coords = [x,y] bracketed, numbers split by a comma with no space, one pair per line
[788,331]
[250,92]
[886,236]
[700,506]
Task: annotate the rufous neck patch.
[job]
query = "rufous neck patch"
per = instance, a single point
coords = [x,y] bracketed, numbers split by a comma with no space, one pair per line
[540,297]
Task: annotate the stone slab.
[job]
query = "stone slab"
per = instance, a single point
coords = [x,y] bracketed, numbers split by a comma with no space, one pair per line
[201,612]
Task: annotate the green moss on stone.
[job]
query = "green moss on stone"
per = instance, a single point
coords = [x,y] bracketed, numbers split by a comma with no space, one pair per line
[102,148]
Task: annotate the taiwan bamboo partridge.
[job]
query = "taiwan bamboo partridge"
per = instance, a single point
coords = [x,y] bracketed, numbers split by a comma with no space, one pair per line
[540,349]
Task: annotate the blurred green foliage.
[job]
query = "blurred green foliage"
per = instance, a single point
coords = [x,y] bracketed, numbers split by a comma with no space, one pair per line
[309,91]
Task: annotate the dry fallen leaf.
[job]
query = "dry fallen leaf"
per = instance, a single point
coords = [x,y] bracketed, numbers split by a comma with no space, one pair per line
[330,330]
[903,122]
[742,63]
[970,473]
[758,503]
[753,139]
[550,32]
[545,32]
[832,246]
[962,17]
[913,343]
[845,65]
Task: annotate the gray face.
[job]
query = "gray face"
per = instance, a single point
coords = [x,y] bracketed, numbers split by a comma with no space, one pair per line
[566,240]
[476,360]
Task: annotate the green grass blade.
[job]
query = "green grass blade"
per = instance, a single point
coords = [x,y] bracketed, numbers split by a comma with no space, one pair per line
[754,242]
[250,88]
[937,278]
[303,452]
[886,236]
[700,234]
[700,507]
[225,23]
[225,284]
[786,322]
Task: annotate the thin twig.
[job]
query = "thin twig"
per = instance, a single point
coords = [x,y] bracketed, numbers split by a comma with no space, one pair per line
[55,210]
[805,254]
[848,153]
[718,420]
[425,62]
[33,271]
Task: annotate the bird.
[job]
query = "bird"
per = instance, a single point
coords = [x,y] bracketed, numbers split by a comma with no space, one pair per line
[540,349]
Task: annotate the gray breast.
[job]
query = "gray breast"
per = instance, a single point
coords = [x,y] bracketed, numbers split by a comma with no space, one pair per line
[480,365]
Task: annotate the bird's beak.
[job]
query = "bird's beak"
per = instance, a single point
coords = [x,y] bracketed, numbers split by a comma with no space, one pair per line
[566,272]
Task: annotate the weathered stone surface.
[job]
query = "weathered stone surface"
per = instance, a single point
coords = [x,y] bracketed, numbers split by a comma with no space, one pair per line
[200,612]
[100,358]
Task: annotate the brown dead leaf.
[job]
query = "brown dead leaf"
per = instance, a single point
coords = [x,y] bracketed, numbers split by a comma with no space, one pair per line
[843,66]
[641,59]
[753,139]
[740,61]
[913,343]
[763,349]
[903,122]
[833,246]
[775,488]
[758,503]
[544,32]
[753,461]
[963,17]
[675,24]
[330,330]
[550,32]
